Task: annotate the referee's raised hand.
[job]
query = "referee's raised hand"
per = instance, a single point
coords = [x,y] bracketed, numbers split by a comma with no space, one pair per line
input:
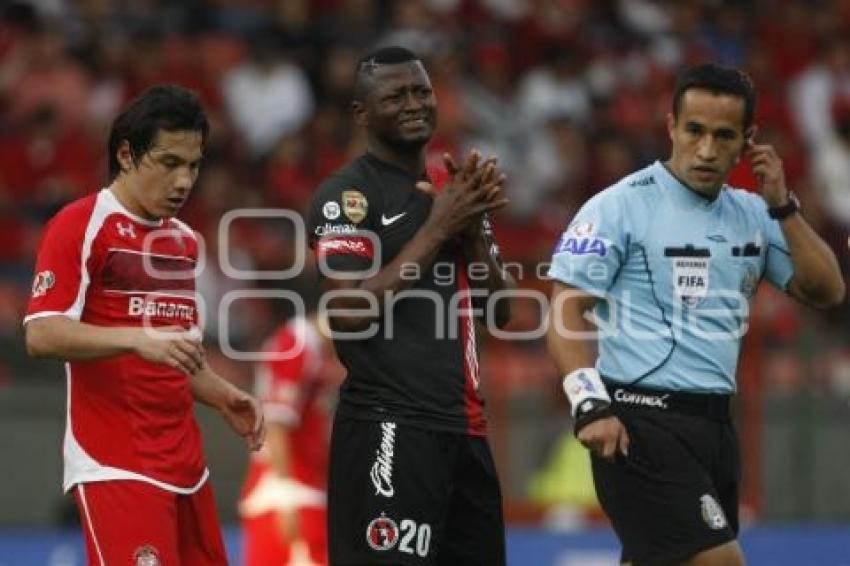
[767,167]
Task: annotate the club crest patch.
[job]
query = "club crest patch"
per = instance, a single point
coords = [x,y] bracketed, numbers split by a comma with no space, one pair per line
[354,205]
[43,282]
[146,555]
[382,533]
[712,513]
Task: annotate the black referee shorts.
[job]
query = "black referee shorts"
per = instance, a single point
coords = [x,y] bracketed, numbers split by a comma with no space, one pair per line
[676,493]
[404,495]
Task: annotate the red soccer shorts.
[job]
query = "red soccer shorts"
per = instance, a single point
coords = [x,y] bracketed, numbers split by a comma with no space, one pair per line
[264,546]
[133,522]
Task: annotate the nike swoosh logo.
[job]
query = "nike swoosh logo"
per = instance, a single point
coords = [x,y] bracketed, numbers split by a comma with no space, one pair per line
[387,221]
[717,238]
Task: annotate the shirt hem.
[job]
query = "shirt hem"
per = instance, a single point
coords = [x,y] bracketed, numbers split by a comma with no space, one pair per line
[419,422]
[116,474]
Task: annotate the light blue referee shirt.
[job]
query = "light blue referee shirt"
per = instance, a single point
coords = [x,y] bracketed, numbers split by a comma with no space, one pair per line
[675,273]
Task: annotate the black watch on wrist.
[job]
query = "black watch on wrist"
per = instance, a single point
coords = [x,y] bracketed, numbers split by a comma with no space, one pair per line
[786,210]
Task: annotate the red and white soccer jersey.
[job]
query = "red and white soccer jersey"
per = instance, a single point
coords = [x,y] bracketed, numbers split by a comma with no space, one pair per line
[127,418]
[295,393]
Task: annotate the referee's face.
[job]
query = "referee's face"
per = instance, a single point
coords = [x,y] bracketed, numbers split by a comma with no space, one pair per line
[401,109]
[707,137]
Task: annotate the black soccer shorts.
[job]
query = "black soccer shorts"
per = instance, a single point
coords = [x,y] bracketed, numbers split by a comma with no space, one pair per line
[676,493]
[404,495]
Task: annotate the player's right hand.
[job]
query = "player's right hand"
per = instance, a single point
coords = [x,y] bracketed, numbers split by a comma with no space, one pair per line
[173,346]
[604,437]
[474,188]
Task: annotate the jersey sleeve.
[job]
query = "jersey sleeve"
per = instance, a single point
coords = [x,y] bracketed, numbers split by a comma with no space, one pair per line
[589,253]
[341,228]
[778,267]
[60,278]
[278,382]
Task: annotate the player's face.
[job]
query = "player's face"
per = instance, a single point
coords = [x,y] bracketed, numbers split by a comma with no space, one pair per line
[161,183]
[401,108]
[708,138]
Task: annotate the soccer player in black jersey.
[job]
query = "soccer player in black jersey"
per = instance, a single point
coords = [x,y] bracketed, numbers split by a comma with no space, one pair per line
[407,270]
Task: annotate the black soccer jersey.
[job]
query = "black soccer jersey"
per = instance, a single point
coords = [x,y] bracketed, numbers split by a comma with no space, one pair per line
[418,363]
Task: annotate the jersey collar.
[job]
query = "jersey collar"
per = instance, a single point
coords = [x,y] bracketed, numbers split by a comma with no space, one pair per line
[680,192]
[387,165]
[113,203]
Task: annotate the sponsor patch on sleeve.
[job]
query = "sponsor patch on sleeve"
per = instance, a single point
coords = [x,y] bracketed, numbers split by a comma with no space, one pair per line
[573,244]
[348,245]
[582,229]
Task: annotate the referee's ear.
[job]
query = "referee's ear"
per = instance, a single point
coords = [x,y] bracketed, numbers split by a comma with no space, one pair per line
[671,125]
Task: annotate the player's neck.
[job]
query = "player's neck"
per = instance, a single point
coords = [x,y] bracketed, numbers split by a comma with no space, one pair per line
[122,193]
[411,160]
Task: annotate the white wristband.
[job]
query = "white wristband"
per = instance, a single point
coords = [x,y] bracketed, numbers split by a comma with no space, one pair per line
[583,384]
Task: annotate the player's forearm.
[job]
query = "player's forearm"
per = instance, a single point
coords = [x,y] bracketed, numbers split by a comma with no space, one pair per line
[570,337]
[63,338]
[477,251]
[486,271]
[817,275]
[401,273]
[209,388]
[397,275]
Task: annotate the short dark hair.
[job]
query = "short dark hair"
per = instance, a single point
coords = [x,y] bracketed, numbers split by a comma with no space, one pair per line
[369,63]
[717,79]
[163,107]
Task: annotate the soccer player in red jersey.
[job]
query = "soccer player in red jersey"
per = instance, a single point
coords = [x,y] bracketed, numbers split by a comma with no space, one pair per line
[114,297]
[283,500]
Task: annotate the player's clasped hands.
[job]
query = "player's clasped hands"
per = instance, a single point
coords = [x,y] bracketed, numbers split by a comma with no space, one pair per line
[475,188]
[173,346]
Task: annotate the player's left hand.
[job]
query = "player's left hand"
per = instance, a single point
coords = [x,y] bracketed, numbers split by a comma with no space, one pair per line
[767,167]
[245,415]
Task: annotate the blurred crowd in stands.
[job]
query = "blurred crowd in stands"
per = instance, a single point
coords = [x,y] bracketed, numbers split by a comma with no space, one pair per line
[569,94]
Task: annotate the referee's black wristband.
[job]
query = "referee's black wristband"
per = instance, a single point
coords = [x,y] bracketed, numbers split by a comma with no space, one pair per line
[589,411]
[784,211]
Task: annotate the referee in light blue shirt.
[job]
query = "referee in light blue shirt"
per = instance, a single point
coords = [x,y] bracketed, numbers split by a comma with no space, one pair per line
[667,260]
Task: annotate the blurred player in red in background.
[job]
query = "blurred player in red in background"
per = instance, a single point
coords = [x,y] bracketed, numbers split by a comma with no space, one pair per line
[283,499]
[114,297]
